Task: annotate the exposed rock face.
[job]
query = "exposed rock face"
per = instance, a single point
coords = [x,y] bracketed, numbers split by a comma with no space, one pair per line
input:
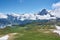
[43,12]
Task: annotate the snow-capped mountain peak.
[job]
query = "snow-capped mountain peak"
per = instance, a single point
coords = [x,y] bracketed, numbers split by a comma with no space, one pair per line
[18,19]
[43,12]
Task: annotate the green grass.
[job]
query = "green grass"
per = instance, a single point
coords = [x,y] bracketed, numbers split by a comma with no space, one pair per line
[31,32]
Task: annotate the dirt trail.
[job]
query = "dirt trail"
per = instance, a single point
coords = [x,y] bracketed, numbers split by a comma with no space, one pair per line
[11,36]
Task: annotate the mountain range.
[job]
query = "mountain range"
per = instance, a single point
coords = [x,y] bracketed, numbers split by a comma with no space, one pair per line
[21,19]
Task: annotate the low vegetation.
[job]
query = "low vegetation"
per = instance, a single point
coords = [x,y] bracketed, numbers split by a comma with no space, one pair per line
[31,32]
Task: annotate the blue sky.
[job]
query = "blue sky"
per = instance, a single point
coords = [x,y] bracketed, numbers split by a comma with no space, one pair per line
[25,6]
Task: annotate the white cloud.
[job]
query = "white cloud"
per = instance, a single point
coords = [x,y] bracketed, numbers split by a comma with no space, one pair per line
[56,10]
[3,15]
[56,5]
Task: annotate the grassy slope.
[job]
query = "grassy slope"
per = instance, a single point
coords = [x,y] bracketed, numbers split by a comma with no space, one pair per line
[31,32]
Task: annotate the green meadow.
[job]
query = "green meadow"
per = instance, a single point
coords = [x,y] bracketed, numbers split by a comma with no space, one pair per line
[31,32]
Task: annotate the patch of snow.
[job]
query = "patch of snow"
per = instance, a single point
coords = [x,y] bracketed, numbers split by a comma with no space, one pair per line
[4,37]
[57,30]
[57,27]
[2,27]
[15,15]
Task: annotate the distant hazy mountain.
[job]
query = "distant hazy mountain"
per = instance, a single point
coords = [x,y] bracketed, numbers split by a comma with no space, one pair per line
[20,19]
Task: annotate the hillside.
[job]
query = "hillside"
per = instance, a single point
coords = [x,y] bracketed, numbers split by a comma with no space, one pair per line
[31,32]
